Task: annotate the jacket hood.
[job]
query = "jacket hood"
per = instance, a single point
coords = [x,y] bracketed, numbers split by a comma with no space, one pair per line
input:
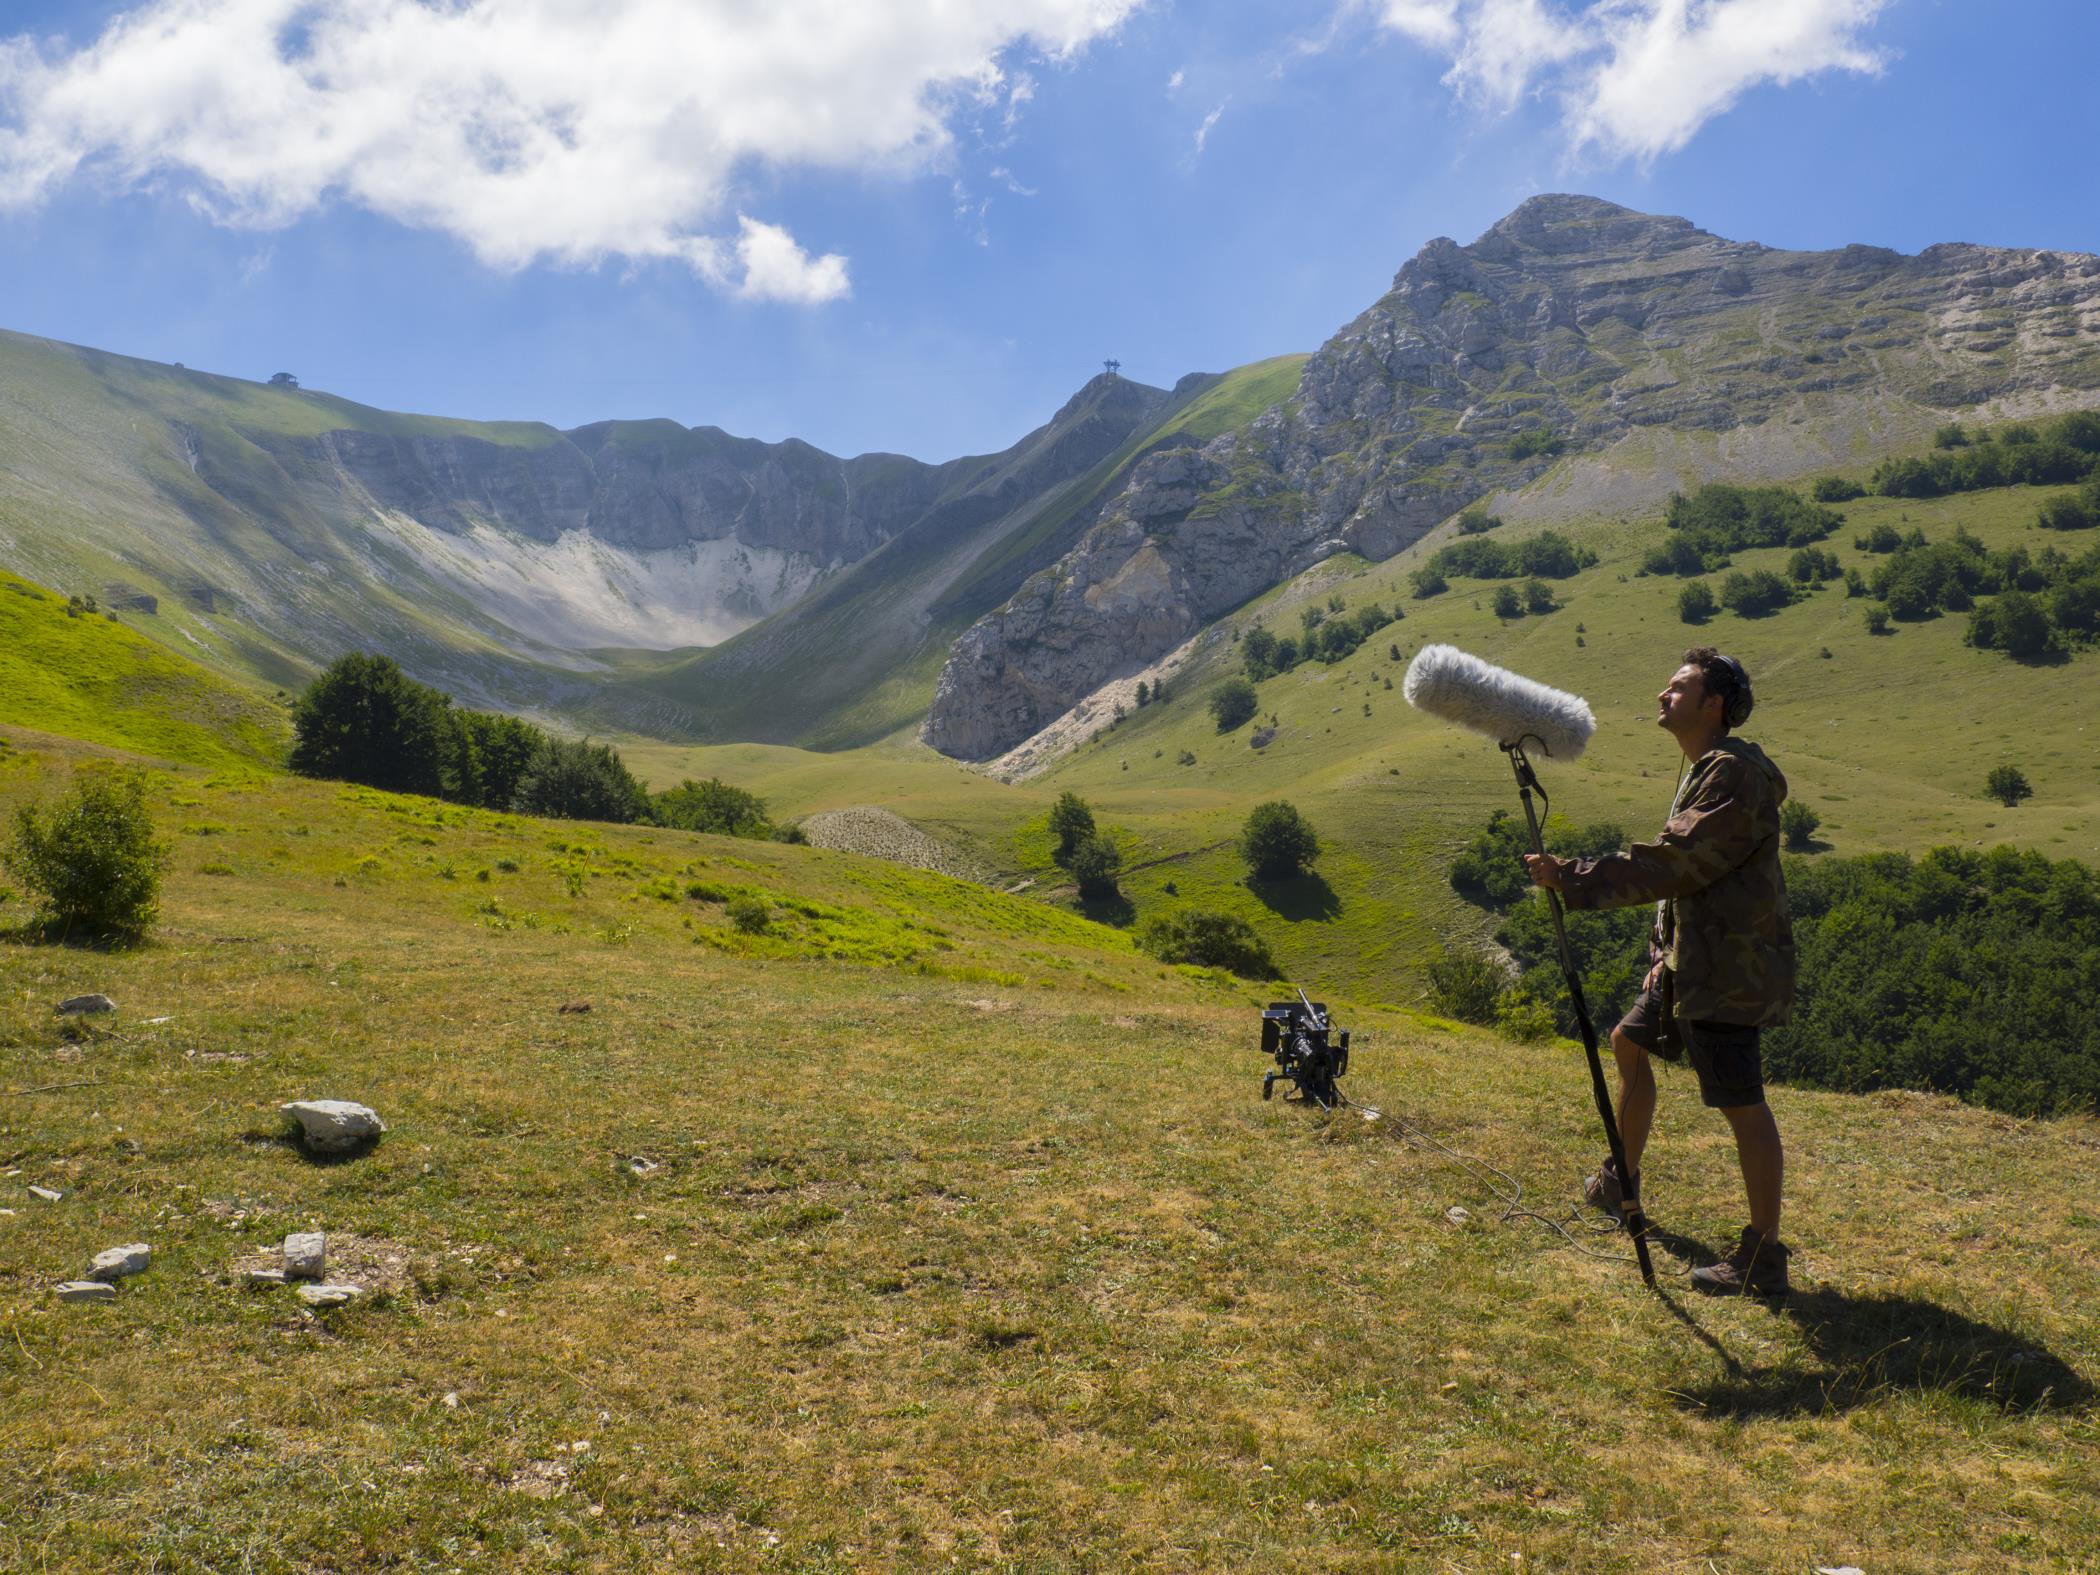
[1750,754]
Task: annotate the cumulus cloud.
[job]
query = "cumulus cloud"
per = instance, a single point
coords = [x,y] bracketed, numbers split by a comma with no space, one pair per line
[1636,78]
[1210,124]
[566,131]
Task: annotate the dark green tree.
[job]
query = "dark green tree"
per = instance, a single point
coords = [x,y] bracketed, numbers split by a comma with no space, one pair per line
[1071,822]
[2008,785]
[1204,939]
[364,720]
[1695,603]
[575,779]
[1232,703]
[713,806]
[1798,823]
[1276,842]
[1094,864]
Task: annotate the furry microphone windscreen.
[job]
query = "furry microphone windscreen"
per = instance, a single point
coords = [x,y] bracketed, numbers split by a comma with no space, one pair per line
[1446,682]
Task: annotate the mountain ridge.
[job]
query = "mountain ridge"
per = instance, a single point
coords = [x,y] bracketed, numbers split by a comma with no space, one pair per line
[1571,325]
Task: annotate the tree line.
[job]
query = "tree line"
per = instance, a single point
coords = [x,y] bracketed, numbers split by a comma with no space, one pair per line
[364,720]
[1962,972]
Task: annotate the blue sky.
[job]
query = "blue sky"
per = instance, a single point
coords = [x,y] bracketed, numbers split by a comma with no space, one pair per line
[878,228]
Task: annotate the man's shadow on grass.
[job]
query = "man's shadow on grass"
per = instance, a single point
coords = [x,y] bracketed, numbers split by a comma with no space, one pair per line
[1868,1348]
[1302,896]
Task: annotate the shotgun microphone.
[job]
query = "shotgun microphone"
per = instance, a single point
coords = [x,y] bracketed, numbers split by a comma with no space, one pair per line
[1448,683]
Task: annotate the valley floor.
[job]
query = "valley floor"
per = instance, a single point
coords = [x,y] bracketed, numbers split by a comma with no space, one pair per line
[970,1245]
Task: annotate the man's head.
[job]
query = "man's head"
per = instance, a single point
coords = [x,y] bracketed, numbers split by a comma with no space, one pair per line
[1707,695]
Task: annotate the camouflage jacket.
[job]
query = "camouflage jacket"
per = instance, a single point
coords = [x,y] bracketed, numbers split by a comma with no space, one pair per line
[1721,920]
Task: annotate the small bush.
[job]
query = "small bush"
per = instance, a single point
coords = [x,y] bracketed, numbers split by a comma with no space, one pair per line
[749,915]
[1428,583]
[1797,823]
[1465,985]
[1756,594]
[1523,1017]
[2008,785]
[92,858]
[1209,940]
[1836,489]
[1477,521]
[1232,703]
[1877,620]
[1276,841]
[1695,603]
[1507,603]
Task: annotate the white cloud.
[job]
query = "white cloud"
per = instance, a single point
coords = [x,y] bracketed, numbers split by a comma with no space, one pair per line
[1203,131]
[1636,78]
[1174,82]
[567,131]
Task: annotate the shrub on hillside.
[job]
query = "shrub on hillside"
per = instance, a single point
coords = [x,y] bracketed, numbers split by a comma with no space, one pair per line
[1477,521]
[578,780]
[2072,511]
[2008,785]
[1464,984]
[2015,623]
[1797,824]
[91,858]
[1276,842]
[1209,940]
[1490,871]
[749,915]
[1695,603]
[1427,583]
[712,806]
[1756,594]
[1535,442]
[1233,703]
[1720,519]
[1507,603]
[1836,489]
[1877,620]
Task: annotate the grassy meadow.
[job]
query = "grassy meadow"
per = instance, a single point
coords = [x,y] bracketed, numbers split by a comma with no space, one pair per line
[968,1244]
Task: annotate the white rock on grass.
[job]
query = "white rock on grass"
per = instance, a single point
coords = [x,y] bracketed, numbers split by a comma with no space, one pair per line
[45,1194]
[117,1262]
[303,1254]
[87,1291]
[266,1276]
[329,1295]
[85,1005]
[334,1126]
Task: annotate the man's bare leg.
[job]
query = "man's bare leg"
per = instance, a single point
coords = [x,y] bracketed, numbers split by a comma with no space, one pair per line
[1763,1159]
[1636,1097]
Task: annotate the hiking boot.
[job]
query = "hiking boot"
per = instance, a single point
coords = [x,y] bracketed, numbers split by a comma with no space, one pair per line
[1606,1189]
[1757,1268]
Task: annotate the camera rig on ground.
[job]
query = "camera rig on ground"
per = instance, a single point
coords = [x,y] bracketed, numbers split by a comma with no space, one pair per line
[1310,1051]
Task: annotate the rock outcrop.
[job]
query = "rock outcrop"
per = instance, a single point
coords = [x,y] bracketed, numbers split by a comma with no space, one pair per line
[1569,325]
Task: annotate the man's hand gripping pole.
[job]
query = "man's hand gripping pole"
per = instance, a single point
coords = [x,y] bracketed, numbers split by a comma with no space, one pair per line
[1636,1222]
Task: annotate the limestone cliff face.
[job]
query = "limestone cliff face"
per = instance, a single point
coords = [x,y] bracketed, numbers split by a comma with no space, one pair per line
[1570,324]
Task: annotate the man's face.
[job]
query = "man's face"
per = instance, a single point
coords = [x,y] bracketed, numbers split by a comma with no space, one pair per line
[1682,701]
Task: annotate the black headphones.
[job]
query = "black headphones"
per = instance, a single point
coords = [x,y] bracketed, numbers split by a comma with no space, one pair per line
[1735,710]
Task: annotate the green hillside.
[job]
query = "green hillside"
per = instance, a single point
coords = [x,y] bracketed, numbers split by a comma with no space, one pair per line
[1889,738]
[936,1229]
[79,671]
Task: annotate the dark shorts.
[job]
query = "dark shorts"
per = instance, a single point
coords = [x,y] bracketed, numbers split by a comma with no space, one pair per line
[1725,1055]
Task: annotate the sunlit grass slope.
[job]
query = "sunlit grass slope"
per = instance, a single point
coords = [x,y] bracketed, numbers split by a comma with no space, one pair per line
[968,1244]
[90,676]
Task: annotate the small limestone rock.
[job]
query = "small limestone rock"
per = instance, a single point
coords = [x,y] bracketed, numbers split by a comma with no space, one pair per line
[334,1126]
[46,1194]
[266,1276]
[329,1295]
[87,1291]
[642,1165]
[1457,1214]
[117,1262]
[451,1400]
[85,1005]
[303,1253]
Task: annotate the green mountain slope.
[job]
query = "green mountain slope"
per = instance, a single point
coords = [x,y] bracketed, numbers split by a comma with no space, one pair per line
[78,671]
[857,660]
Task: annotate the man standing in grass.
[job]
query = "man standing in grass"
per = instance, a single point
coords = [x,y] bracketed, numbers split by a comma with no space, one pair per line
[1723,951]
